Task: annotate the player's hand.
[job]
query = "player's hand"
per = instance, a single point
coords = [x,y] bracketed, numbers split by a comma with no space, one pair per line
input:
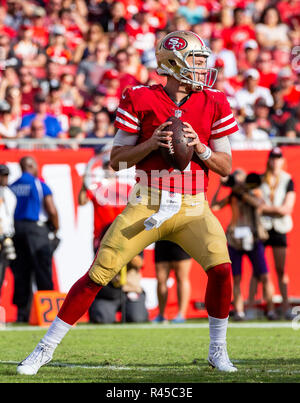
[160,136]
[190,132]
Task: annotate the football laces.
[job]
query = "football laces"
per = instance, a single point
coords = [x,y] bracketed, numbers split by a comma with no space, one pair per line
[171,147]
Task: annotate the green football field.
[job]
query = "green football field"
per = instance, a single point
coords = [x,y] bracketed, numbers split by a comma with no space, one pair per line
[262,351]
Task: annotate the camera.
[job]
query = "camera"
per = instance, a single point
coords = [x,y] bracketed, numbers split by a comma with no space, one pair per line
[7,247]
[230,181]
[251,181]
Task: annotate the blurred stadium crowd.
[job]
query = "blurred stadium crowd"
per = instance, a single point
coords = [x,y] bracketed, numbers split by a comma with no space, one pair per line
[65,63]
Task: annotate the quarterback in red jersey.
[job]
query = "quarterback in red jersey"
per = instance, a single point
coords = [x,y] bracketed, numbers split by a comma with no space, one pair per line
[179,214]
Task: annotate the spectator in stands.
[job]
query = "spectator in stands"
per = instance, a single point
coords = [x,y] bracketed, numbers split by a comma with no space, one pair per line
[7,59]
[35,206]
[119,41]
[248,58]
[290,92]
[140,30]
[88,46]
[281,116]
[7,208]
[76,133]
[179,23]
[265,68]
[27,50]
[250,136]
[57,108]
[279,196]
[77,128]
[53,8]
[240,32]
[29,88]
[169,256]
[102,129]
[37,131]
[4,28]
[115,20]
[15,11]
[91,69]
[251,91]
[110,85]
[245,235]
[220,52]
[53,127]
[256,9]
[70,95]
[57,51]
[222,84]
[261,115]
[193,12]
[95,103]
[126,79]
[14,98]
[270,31]
[53,72]
[8,79]
[297,121]
[75,26]
[135,66]
[204,30]
[40,32]
[8,124]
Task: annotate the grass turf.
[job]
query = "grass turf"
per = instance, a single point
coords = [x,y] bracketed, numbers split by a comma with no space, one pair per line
[148,354]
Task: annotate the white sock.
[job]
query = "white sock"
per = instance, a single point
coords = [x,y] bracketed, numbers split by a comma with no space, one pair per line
[56,332]
[217,330]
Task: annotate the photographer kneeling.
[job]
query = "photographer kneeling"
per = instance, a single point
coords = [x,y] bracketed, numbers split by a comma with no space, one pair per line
[245,235]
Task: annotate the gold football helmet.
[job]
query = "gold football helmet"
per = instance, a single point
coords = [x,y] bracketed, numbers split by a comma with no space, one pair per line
[172,53]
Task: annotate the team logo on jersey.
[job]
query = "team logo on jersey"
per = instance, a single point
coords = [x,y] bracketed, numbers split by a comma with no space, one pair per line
[178,113]
[175,43]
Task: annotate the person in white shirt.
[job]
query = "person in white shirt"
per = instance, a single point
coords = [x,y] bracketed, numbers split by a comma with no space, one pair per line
[251,91]
[9,124]
[220,52]
[250,137]
[7,208]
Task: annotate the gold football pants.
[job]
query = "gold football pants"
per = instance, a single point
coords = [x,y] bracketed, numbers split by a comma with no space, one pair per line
[194,228]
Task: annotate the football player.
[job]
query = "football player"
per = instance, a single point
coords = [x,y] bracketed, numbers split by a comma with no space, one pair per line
[175,211]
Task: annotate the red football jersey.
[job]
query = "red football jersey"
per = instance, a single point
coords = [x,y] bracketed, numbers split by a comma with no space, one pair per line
[142,109]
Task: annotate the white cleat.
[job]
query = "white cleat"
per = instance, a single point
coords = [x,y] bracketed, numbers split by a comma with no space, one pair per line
[40,356]
[218,358]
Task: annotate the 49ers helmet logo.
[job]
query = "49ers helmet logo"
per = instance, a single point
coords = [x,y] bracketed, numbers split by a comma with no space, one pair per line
[175,43]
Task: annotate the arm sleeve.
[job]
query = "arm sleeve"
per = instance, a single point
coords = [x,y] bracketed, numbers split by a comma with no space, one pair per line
[125,139]
[46,190]
[291,186]
[224,122]
[221,144]
[127,118]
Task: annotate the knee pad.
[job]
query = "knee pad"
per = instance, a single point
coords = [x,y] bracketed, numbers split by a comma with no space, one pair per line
[221,272]
[106,265]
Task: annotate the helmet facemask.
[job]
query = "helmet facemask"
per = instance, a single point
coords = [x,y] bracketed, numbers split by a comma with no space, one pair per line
[177,56]
[189,73]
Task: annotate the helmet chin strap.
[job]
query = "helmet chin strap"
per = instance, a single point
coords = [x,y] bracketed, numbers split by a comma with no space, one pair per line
[193,86]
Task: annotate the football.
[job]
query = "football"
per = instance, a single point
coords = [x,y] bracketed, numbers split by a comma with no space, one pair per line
[178,154]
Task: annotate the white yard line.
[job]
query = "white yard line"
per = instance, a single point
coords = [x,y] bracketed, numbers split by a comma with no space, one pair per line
[248,325]
[144,369]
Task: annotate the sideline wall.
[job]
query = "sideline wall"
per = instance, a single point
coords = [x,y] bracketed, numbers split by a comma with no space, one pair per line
[63,169]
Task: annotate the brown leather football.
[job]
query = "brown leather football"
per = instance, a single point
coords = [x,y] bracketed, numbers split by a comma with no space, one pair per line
[178,154]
